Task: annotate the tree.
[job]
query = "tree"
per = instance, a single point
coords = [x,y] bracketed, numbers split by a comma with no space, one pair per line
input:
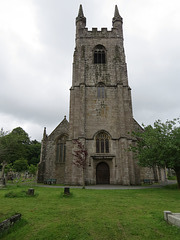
[9,168]
[80,158]
[19,144]
[13,146]
[20,165]
[3,150]
[32,169]
[159,146]
[33,152]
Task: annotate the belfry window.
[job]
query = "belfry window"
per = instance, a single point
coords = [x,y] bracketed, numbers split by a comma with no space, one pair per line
[99,55]
[102,143]
[61,149]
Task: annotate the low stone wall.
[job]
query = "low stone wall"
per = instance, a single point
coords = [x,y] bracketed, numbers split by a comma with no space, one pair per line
[9,222]
[172,218]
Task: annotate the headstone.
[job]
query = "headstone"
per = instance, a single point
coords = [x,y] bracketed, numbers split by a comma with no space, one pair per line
[67,190]
[2,182]
[30,191]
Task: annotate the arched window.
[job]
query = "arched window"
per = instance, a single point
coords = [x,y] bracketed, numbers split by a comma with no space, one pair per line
[101,91]
[61,149]
[99,55]
[102,143]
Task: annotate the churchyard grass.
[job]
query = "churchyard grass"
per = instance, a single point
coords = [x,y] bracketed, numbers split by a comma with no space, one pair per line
[90,214]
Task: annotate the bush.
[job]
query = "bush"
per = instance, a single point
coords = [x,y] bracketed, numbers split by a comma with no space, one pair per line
[172,178]
[32,169]
[18,194]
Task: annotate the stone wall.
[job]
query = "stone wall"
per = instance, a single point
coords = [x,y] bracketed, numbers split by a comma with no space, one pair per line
[49,167]
[9,222]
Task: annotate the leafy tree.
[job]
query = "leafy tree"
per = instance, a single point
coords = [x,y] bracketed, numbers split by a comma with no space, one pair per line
[20,165]
[9,168]
[24,138]
[159,146]
[13,146]
[80,157]
[19,144]
[34,149]
[32,169]
[3,150]
[16,146]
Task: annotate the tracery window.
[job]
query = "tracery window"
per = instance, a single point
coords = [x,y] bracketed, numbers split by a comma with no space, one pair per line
[61,149]
[99,55]
[102,143]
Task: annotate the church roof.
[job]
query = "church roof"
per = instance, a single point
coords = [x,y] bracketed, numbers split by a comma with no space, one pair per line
[62,128]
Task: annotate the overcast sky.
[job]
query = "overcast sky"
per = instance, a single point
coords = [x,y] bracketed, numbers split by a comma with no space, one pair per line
[37,40]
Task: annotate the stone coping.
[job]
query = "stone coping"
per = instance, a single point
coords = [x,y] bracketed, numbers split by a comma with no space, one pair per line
[172,218]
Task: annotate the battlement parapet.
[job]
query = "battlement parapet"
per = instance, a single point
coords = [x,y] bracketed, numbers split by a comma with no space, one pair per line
[103,33]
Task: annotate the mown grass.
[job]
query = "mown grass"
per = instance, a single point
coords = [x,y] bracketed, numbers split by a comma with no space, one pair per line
[91,214]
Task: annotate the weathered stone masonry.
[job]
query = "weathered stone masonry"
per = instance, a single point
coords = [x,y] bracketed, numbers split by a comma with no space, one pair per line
[100,113]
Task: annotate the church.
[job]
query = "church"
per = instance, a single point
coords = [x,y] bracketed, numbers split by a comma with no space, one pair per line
[100,114]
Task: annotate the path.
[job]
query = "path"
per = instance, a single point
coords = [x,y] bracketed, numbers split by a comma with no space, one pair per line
[160,185]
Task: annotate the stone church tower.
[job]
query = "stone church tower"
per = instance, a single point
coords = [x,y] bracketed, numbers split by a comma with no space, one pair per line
[100,113]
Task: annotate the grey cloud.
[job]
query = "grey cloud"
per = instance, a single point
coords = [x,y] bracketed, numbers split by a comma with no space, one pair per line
[35,82]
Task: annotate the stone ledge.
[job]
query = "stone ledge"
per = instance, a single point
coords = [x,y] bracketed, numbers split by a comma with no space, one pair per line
[172,218]
[102,156]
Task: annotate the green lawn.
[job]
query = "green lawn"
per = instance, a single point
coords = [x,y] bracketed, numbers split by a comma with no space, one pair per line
[90,214]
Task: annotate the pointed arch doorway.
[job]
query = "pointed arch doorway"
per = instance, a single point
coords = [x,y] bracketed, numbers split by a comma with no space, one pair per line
[102,173]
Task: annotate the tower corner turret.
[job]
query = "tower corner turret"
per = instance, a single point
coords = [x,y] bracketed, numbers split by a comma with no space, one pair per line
[117,19]
[80,19]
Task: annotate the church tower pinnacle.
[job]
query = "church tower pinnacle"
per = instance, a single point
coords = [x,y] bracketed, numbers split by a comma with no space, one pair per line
[80,20]
[117,19]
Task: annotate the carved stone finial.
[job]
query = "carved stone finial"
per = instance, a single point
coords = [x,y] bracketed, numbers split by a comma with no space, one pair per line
[81,16]
[44,134]
[117,16]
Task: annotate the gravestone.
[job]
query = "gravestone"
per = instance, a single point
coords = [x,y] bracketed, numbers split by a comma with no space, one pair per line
[2,182]
[30,191]
[67,190]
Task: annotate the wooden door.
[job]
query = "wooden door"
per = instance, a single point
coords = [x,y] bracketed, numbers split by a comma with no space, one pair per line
[102,173]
